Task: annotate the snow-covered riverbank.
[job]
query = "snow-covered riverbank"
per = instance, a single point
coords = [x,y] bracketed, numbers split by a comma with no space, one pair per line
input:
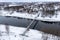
[14,34]
[31,16]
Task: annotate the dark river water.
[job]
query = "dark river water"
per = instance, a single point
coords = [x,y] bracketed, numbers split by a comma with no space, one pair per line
[45,27]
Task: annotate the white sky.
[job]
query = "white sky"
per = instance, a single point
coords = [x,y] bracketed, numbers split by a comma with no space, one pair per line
[29,0]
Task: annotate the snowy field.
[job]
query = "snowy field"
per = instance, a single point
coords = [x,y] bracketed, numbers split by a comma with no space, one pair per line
[14,33]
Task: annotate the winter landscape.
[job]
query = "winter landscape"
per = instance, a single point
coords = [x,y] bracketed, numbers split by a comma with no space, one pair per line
[29,20]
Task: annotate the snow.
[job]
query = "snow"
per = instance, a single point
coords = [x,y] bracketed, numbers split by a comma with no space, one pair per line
[13,5]
[31,16]
[15,34]
[17,31]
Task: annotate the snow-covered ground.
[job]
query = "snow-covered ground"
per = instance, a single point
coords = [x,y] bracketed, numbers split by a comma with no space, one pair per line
[30,16]
[15,34]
